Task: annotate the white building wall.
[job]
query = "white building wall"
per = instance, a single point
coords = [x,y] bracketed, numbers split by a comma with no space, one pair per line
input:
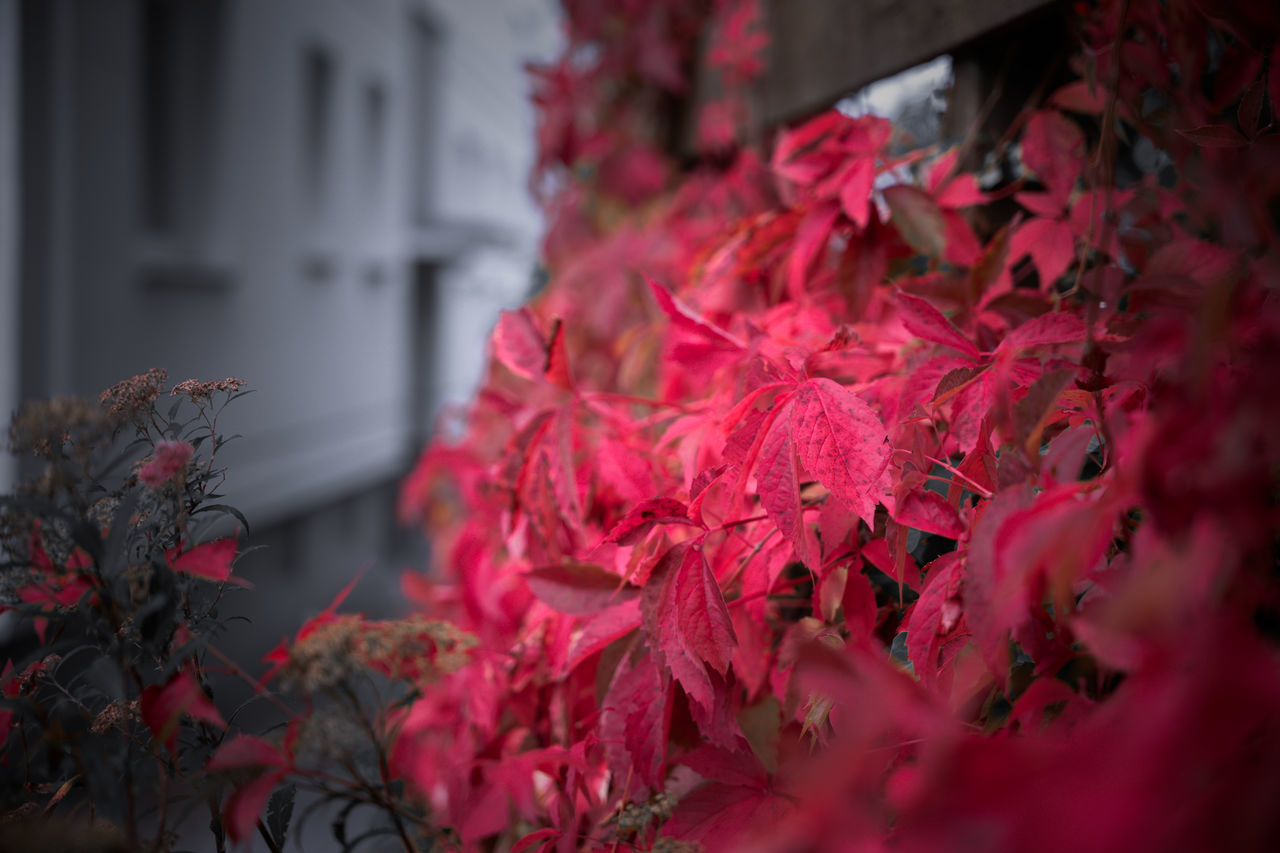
[316,299]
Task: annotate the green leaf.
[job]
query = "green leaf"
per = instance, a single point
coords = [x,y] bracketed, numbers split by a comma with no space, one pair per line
[280,812]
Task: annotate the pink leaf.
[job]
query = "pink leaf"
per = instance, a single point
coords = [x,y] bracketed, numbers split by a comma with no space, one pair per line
[691,321]
[928,323]
[519,345]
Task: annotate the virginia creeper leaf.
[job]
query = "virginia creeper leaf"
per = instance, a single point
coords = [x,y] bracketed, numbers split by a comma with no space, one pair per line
[924,321]
[578,589]
[686,620]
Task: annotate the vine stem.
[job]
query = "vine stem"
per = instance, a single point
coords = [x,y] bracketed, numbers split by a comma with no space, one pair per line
[238,671]
[975,488]
[791,584]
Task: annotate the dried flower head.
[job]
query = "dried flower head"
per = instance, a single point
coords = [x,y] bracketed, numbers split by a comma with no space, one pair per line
[412,649]
[132,399]
[168,462]
[114,715]
[196,391]
[324,657]
[46,427]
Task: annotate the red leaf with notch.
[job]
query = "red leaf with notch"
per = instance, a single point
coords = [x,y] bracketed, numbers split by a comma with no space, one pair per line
[841,442]
[687,621]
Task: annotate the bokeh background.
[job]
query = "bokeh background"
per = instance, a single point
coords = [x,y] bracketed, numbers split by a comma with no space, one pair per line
[330,200]
[325,198]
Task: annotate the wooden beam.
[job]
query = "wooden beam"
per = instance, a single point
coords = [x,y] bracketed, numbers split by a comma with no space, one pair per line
[821,50]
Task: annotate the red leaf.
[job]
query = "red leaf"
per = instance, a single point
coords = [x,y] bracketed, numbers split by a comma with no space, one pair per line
[578,588]
[687,621]
[601,630]
[963,248]
[519,345]
[642,517]
[716,764]
[855,191]
[1050,244]
[162,708]
[810,242]
[929,512]
[841,442]
[244,806]
[803,155]
[778,483]
[1041,204]
[691,321]
[1045,330]
[246,751]
[1249,113]
[1215,136]
[723,817]
[985,586]
[557,365]
[1054,148]
[928,323]
[538,835]
[859,603]
[635,716]
[935,615]
[212,560]
[918,219]
[1080,97]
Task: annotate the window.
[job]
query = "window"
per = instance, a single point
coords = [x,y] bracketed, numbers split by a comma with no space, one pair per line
[375,142]
[317,119]
[180,66]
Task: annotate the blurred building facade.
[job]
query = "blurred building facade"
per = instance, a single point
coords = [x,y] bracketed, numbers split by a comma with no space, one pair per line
[325,198]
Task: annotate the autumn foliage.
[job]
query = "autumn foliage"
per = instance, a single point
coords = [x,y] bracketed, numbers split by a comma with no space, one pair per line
[827,497]
[817,505]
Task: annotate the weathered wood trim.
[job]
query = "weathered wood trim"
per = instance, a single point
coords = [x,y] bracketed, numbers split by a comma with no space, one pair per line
[821,50]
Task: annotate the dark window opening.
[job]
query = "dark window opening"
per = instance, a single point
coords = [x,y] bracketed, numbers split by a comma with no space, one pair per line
[179,68]
[317,104]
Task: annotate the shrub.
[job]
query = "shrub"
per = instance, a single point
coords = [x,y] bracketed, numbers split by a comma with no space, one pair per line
[113,559]
[811,506]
